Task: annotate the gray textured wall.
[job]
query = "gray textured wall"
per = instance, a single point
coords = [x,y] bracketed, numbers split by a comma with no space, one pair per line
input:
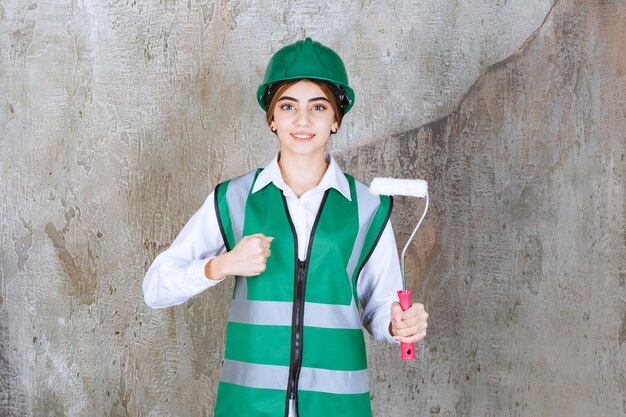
[117,119]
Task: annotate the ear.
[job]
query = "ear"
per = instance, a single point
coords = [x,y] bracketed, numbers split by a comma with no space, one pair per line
[273,127]
[334,127]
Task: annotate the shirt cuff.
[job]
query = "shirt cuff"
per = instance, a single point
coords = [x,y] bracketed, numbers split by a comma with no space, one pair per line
[380,327]
[198,282]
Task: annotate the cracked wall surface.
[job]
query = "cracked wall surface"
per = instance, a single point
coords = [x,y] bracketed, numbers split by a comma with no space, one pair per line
[118,118]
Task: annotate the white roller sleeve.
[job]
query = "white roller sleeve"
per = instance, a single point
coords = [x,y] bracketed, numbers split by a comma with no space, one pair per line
[394,186]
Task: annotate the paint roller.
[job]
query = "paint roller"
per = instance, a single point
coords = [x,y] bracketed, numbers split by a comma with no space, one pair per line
[411,188]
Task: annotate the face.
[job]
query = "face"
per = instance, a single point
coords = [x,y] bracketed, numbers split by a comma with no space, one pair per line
[303,120]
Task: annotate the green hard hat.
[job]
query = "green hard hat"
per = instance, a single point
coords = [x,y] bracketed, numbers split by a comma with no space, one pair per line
[306,59]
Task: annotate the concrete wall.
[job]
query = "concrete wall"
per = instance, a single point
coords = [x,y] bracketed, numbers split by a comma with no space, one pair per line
[118,118]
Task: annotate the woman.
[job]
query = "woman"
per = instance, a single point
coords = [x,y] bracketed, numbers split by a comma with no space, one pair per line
[306,244]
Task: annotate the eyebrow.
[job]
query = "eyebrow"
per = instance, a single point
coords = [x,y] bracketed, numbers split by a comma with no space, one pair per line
[297,101]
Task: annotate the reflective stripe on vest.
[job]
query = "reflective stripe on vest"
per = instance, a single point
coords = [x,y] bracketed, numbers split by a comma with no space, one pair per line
[275,377]
[278,313]
[333,361]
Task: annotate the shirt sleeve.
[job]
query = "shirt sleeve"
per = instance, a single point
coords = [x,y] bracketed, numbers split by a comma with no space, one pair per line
[177,274]
[377,286]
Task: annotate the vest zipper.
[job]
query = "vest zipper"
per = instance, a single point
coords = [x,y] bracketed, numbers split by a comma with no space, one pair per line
[297,315]
[297,325]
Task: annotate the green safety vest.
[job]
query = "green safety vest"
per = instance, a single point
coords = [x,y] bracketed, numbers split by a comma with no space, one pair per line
[294,331]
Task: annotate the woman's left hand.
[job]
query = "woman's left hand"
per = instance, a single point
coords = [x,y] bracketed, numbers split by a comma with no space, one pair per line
[408,326]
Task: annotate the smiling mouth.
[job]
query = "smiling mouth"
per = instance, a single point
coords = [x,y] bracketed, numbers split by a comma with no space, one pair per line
[301,137]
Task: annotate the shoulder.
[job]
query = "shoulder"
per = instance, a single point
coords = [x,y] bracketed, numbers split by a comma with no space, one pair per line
[357,183]
[242,182]
[363,193]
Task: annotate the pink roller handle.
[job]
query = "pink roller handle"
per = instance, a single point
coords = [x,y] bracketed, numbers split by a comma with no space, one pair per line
[407,351]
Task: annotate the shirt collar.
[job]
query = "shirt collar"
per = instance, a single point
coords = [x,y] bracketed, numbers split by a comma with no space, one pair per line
[333,178]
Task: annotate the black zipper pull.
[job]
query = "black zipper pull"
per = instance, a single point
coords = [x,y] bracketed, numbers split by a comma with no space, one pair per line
[301,267]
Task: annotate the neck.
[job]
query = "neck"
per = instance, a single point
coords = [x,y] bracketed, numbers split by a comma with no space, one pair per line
[301,173]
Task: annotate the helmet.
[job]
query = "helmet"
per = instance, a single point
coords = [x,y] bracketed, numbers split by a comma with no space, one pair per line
[306,59]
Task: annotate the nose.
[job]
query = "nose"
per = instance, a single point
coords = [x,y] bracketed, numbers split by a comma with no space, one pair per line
[302,119]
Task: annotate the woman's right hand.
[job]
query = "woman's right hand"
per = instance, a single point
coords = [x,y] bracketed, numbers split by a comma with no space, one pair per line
[248,258]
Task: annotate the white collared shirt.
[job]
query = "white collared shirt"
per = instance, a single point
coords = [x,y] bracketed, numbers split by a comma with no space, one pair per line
[177,274]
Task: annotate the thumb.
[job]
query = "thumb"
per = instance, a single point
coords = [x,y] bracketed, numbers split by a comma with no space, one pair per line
[396,311]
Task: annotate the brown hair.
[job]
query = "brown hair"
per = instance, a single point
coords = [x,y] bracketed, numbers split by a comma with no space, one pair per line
[328,92]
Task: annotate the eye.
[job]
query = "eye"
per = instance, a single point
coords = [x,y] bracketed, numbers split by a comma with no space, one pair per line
[318,107]
[287,106]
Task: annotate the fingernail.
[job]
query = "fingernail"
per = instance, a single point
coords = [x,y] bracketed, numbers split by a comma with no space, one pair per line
[397,317]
